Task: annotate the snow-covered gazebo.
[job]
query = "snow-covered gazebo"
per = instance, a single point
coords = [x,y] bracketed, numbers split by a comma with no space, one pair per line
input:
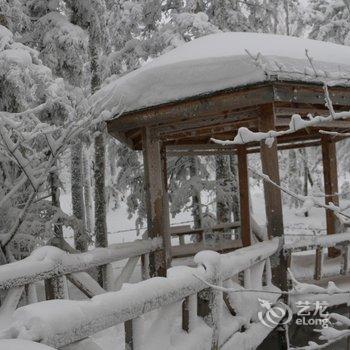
[211,87]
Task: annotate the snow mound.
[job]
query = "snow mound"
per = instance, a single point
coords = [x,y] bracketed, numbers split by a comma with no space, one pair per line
[18,344]
[222,61]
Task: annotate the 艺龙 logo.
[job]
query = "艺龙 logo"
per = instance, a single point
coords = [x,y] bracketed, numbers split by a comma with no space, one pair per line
[307,313]
[279,313]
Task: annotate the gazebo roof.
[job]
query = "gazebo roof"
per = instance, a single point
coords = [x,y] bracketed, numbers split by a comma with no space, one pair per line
[211,73]
[221,61]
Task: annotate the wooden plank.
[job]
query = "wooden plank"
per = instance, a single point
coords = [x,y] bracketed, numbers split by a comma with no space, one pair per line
[200,231]
[273,197]
[126,273]
[330,175]
[190,249]
[309,93]
[10,303]
[196,107]
[224,118]
[31,293]
[243,178]
[209,150]
[156,203]
[85,283]
[176,230]
[145,267]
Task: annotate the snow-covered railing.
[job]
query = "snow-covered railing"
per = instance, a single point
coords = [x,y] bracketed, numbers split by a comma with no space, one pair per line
[55,266]
[340,241]
[64,321]
[221,245]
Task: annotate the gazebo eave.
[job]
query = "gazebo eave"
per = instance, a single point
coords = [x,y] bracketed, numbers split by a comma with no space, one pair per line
[221,113]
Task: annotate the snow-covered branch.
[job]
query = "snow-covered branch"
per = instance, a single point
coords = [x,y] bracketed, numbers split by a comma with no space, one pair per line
[308,201]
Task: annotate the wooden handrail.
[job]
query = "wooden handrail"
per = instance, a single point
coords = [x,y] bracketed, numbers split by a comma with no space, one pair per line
[184,230]
[318,243]
[48,262]
[104,311]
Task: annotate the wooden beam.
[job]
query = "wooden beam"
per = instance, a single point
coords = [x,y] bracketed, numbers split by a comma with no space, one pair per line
[190,249]
[309,93]
[243,178]
[330,174]
[198,150]
[273,197]
[225,117]
[199,231]
[199,106]
[156,203]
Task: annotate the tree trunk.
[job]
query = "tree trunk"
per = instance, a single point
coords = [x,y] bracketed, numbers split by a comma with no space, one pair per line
[80,237]
[101,239]
[234,188]
[223,206]
[293,178]
[286,9]
[55,199]
[87,193]
[100,197]
[305,176]
[196,196]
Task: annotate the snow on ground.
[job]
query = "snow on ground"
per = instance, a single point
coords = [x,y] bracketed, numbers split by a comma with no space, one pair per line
[18,344]
[220,61]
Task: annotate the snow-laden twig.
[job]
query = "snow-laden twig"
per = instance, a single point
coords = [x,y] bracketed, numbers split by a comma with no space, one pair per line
[36,168]
[308,201]
[298,289]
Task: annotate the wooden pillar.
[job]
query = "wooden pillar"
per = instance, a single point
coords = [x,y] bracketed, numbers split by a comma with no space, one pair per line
[156,202]
[273,207]
[273,196]
[330,175]
[243,179]
[269,162]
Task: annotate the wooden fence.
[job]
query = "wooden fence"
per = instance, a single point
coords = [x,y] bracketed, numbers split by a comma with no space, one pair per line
[318,243]
[127,305]
[54,266]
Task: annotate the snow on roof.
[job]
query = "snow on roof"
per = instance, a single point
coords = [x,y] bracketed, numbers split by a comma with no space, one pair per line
[221,61]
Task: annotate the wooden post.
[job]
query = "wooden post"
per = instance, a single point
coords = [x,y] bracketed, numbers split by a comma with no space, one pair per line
[243,179]
[156,202]
[56,288]
[345,267]
[273,207]
[318,263]
[133,334]
[189,313]
[273,197]
[330,174]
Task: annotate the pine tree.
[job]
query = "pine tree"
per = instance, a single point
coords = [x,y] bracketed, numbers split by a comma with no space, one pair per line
[329,21]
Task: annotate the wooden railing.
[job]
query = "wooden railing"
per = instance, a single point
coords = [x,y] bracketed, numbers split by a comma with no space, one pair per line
[184,286]
[220,245]
[340,241]
[55,266]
